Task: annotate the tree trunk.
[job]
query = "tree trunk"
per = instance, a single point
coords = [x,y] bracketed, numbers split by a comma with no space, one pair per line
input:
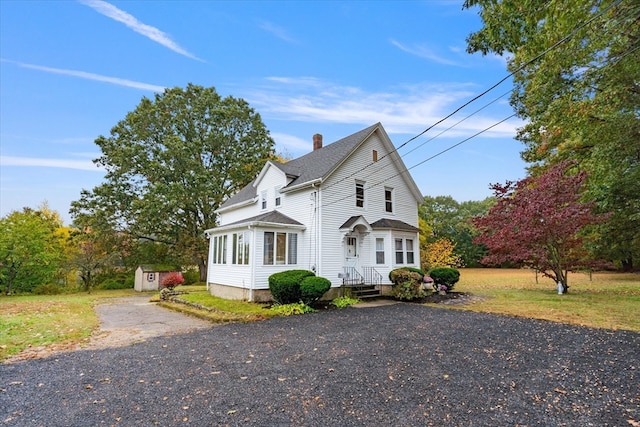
[627,265]
[202,268]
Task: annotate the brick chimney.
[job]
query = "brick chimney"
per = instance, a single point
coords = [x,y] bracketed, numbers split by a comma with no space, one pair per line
[317,141]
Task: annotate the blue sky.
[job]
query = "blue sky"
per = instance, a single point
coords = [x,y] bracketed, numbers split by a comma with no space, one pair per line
[70,70]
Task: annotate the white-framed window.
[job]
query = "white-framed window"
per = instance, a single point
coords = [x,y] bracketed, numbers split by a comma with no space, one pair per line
[409,247]
[263,200]
[380,250]
[399,246]
[388,199]
[241,248]
[278,197]
[404,250]
[280,248]
[359,194]
[220,249]
[151,277]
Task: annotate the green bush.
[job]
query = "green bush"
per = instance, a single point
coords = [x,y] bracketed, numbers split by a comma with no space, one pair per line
[414,270]
[191,276]
[408,284]
[114,284]
[407,291]
[285,285]
[444,278]
[291,309]
[401,275]
[312,288]
[48,289]
[342,302]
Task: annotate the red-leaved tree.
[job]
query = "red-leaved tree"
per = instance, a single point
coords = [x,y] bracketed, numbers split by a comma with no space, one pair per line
[172,279]
[537,222]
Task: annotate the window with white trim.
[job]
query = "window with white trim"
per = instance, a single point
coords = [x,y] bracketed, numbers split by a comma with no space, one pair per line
[380,250]
[280,248]
[399,251]
[240,253]
[359,194]
[388,199]
[278,198]
[220,249]
[409,247]
[404,250]
[263,200]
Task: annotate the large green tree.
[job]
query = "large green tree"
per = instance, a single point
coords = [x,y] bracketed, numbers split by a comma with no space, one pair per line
[31,249]
[576,72]
[170,163]
[449,219]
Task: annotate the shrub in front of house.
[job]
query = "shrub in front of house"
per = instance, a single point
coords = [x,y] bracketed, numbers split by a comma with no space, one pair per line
[444,278]
[312,288]
[292,309]
[285,285]
[407,283]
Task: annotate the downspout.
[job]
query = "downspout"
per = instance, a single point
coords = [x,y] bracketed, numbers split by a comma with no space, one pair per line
[318,230]
[253,263]
[208,237]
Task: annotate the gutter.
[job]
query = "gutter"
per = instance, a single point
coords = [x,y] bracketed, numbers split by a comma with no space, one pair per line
[311,184]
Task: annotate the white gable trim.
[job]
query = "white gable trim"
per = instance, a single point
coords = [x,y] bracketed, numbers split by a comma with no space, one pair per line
[264,171]
[359,221]
[238,205]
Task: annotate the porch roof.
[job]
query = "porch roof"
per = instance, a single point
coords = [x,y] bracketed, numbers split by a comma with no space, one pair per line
[271,218]
[394,224]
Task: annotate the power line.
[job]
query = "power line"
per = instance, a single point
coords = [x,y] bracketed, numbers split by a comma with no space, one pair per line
[495,85]
[527,63]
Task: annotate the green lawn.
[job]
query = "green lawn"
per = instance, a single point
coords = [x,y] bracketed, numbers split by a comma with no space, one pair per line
[42,320]
[604,300]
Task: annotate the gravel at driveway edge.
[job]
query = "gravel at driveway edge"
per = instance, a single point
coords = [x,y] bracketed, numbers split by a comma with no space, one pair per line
[123,321]
[400,365]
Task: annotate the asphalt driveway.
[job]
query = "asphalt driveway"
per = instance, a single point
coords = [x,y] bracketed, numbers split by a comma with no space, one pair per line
[393,365]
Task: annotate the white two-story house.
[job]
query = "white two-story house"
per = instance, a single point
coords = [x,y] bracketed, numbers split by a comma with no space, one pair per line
[347,211]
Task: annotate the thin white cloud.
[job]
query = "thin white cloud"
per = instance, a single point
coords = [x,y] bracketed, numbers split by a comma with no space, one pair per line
[290,142]
[49,163]
[423,51]
[277,31]
[153,33]
[90,76]
[402,109]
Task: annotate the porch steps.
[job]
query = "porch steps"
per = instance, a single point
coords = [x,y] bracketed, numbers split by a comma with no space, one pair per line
[365,291]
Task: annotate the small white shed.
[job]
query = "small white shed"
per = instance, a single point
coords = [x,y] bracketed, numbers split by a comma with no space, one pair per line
[149,277]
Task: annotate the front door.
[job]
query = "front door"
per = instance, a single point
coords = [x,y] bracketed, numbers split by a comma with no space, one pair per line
[351,260]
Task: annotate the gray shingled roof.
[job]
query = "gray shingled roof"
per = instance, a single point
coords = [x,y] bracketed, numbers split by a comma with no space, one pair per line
[317,164]
[393,224]
[274,217]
